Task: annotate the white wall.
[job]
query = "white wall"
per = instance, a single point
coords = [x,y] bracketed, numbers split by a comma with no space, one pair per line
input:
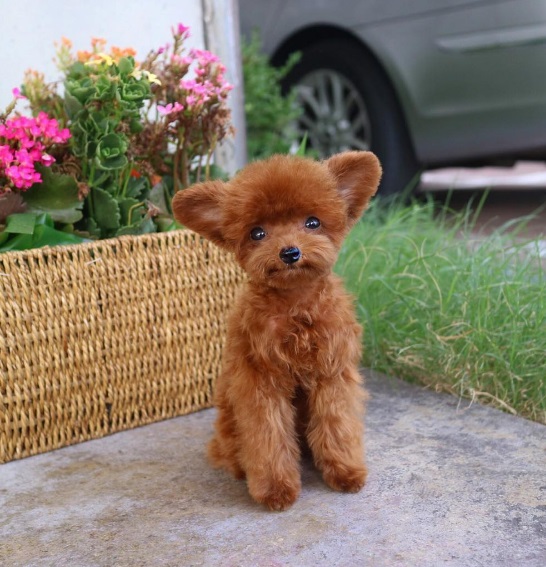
[29,28]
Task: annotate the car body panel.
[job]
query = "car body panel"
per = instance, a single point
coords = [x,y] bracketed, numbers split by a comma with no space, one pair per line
[470,75]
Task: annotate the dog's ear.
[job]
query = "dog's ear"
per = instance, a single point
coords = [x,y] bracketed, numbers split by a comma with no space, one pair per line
[357,175]
[199,207]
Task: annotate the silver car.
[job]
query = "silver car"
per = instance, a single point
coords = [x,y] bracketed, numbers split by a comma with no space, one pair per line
[423,83]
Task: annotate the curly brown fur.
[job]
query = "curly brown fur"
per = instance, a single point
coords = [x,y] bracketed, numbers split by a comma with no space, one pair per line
[290,365]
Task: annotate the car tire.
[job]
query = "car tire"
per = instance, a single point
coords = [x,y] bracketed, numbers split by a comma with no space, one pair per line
[373,119]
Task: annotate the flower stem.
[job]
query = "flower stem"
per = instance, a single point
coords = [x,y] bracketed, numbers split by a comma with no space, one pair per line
[175,170]
[209,156]
[184,168]
[130,213]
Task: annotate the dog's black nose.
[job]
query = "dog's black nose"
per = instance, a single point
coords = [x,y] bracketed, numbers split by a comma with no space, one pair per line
[290,255]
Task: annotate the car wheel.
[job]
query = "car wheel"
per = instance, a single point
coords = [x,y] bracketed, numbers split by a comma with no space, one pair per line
[348,103]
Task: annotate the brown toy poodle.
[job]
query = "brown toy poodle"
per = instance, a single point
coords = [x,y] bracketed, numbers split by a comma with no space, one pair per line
[290,366]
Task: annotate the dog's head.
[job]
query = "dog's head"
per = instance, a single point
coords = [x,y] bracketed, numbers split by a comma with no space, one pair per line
[284,218]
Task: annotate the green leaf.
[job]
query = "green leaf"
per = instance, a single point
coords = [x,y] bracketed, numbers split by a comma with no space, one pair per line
[57,196]
[72,105]
[129,207]
[22,223]
[106,89]
[77,69]
[144,226]
[104,209]
[97,122]
[110,152]
[82,90]
[100,178]
[135,91]
[126,66]
[88,227]
[18,242]
[43,235]
[44,218]
[137,187]
[80,138]
[112,163]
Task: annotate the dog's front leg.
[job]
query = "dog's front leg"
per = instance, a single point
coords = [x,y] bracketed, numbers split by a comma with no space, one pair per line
[335,430]
[269,451]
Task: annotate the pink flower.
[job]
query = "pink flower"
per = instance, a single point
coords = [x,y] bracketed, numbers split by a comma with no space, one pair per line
[181,30]
[188,85]
[47,160]
[62,136]
[6,155]
[17,93]
[24,158]
[192,101]
[169,108]
[164,48]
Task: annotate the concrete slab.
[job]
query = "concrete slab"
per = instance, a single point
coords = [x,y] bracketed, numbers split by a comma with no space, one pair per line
[522,175]
[449,484]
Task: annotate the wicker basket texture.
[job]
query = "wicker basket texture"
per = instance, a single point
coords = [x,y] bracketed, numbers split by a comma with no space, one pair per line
[107,336]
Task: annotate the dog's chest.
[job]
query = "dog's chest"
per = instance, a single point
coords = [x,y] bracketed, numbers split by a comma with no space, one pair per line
[297,333]
[306,338]
[298,341]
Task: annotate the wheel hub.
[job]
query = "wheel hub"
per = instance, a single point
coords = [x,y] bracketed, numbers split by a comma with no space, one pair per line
[334,115]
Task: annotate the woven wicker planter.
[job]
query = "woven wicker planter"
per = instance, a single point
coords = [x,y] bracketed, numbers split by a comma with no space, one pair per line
[107,336]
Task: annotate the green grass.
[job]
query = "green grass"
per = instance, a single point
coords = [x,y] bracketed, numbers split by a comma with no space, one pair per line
[444,308]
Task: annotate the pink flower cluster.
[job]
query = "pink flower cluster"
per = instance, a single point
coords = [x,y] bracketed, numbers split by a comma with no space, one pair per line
[209,83]
[196,93]
[204,57]
[23,143]
[183,102]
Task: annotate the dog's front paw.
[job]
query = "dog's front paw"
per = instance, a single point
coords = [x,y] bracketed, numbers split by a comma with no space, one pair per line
[278,501]
[276,496]
[345,479]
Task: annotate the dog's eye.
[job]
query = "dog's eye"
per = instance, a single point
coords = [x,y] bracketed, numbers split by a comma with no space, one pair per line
[257,233]
[312,222]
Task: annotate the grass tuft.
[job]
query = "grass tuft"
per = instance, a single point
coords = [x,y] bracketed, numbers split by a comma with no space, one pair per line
[449,309]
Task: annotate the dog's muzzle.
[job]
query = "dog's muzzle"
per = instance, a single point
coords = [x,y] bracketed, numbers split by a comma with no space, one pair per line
[290,255]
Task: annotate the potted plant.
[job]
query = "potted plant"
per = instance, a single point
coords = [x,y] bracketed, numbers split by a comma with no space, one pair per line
[124,325]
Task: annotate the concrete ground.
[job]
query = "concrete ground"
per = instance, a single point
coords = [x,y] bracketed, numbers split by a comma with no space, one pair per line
[450,484]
